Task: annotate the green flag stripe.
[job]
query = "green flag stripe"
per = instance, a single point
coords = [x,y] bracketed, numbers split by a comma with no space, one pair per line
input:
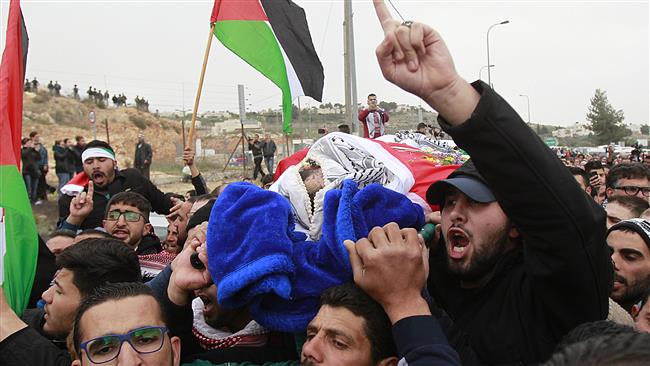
[21,239]
[255,43]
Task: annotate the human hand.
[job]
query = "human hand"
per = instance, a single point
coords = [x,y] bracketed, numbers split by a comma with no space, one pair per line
[392,266]
[188,156]
[415,58]
[81,206]
[594,181]
[185,278]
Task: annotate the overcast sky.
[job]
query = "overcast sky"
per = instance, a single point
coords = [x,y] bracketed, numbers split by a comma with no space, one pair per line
[556,52]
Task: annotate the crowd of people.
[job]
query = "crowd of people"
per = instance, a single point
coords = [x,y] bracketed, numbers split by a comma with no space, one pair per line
[525,265]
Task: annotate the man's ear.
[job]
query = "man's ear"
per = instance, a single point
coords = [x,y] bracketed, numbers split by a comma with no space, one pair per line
[634,311]
[147,229]
[390,361]
[608,192]
[588,190]
[513,232]
[104,224]
[76,363]
[176,350]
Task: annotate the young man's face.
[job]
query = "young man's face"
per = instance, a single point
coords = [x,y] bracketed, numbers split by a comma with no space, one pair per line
[631,259]
[181,219]
[616,213]
[600,173]
[130,232]
[476,235]
[61,303]
[336,337]
[57,244]
[120,317]
[101,170]
[372,101]
[633,182]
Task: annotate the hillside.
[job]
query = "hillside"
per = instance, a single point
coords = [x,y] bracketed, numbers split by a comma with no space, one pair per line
[56,118]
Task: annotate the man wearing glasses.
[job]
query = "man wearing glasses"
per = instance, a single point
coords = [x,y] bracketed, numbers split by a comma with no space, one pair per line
[631,179]
[99,339]
[126,218]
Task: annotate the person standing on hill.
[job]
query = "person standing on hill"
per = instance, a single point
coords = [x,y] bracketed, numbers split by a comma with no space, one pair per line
[143,155]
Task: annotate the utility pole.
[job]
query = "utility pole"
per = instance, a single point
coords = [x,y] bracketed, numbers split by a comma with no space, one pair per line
[350,68]
[242,117]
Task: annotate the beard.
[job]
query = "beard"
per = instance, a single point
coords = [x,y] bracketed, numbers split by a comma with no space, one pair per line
[485,257]
[634,290]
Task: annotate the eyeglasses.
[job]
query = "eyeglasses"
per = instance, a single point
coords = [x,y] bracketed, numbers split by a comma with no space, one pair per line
[129,216]
[633,190]
[106,348]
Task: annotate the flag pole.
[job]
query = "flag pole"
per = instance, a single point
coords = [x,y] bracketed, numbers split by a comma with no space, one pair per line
[198,92]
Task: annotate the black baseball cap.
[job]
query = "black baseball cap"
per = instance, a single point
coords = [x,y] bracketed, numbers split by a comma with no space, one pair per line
[467,180]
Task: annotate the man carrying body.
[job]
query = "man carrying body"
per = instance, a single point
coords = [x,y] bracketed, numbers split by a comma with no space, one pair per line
[39,337]
[629,241]
[373,119]
[480,273]
[106,181]
[143,156]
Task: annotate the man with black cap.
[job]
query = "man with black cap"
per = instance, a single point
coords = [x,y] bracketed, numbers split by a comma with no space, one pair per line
[629,241]
[522,257]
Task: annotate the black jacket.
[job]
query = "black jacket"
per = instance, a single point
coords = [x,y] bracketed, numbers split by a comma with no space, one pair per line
[125,180]
[78,163]
[30,158]
[268,148]
[256,148]
[142,152]
[30,346]
[64,159]
[560,277]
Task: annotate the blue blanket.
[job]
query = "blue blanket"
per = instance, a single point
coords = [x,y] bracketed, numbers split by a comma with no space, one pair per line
[257,259]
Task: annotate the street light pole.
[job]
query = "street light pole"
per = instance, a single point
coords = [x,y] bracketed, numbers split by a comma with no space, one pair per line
[528,104]
[488,48]
[481,70]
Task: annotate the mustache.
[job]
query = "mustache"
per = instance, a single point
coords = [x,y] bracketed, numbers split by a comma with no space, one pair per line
[620,279]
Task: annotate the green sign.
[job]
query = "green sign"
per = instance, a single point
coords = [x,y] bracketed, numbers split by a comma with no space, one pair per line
[551,141]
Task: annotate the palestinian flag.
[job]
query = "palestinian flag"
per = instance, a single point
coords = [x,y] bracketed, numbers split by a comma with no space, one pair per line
[18,236]
[273,37]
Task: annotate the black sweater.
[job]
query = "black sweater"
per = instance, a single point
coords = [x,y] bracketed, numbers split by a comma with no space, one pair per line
[560,277]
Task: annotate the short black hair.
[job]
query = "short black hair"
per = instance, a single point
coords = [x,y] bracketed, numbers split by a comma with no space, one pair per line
[99,143]
[132,199]
[590,330]
[266,179]
[626,171]
[593,165]
[64,233]
[422,125]
[65,140]
[97,261]
[110,292]
[345,128]
[628,349]
[78,138]
[581,172]
[633,203]
[377,326]
[96,232]
[372,95]
[32,134]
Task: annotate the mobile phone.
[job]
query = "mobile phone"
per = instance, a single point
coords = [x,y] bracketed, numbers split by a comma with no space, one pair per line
[593,173]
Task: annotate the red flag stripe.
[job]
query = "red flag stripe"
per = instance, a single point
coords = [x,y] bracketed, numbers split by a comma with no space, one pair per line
[11,87]
[237,10]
